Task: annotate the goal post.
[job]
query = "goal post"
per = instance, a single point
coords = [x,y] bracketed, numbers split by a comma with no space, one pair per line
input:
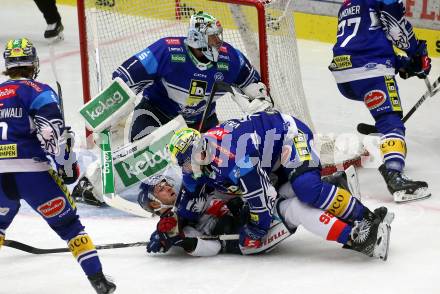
[113,30]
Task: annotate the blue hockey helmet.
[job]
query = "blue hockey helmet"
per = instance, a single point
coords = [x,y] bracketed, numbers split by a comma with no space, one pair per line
[148,190]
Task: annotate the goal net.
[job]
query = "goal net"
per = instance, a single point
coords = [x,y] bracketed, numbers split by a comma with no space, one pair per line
[113,30]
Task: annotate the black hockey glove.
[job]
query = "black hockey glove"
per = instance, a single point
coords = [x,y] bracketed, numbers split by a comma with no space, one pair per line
[417,65]
[67,166]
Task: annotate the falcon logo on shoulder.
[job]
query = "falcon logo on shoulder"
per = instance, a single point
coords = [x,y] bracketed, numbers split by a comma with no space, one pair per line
[396,30]
[49,133]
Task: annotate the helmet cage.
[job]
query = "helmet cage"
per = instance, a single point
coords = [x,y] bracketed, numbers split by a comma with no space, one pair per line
[203,25]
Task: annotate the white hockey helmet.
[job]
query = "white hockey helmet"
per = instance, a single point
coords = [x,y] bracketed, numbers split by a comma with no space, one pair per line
[201,26]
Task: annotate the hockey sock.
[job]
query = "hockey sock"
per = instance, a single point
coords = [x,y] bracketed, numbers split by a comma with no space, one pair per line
[393,150]
[84,251]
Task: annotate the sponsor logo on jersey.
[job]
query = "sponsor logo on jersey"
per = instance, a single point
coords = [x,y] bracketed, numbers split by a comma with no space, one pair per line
[33,85]
[370,66]
[200,75]
[224,57]
[392,93]
[197,92]
[175,49]
[4,211]
[80,245]
[217,133]
[300,142]
[172,41]
[178,58]
[8,91]
[374,99]
[13,112]
[219,76]
[341,62]
[223,49]
[53,207]
[275,236]
[8,151]
[223,66]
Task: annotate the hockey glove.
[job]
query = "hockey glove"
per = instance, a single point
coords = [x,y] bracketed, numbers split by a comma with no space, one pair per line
[417,65]
[67,167]
[168,223]
[161,242]
[251,236]
[217,208]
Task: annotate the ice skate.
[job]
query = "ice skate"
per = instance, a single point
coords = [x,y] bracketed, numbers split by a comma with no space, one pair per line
[83,193]
[403,188]
[54,32]
[371,235]
[101,284]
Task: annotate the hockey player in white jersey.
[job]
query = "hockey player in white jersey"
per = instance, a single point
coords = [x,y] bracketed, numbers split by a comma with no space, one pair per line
[175,75]
[225,214]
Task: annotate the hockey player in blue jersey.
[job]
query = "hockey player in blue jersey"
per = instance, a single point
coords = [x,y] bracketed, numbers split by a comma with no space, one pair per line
[225,213]
[237,158]
[175,76]
[364,65]
[31,130]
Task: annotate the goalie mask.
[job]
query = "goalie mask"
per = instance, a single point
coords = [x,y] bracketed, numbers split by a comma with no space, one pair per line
[21,53]
[206,34]
[152,191]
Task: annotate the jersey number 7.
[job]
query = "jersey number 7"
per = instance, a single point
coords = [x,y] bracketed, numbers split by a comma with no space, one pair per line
[348,22]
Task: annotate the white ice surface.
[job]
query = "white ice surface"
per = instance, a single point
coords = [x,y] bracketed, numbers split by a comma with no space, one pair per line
[302,264]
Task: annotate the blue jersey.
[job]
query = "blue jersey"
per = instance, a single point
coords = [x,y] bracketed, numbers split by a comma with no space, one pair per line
[367,31]
[243,153]
[170,78]
[30,126]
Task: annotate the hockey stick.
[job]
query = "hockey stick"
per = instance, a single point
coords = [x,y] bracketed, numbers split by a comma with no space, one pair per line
[367,129]
[34,250]
[54,71]
[218,86]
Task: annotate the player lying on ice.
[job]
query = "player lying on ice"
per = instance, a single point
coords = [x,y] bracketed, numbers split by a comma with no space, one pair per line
[237,158]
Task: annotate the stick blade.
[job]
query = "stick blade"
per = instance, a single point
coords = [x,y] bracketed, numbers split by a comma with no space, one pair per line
[366,129]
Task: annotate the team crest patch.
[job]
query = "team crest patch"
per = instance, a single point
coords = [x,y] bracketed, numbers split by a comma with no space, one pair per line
[374,99]
[52,207]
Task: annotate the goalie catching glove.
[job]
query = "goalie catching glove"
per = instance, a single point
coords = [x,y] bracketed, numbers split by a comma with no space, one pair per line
[254,98]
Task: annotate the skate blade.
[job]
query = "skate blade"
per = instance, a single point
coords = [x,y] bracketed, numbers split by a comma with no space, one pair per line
[388,219]
[382,245]
[56,39]
[419,194]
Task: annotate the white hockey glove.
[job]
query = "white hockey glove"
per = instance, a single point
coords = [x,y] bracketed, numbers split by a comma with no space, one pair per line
[254,99]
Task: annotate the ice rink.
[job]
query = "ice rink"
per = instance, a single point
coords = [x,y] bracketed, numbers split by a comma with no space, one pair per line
[301,264]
